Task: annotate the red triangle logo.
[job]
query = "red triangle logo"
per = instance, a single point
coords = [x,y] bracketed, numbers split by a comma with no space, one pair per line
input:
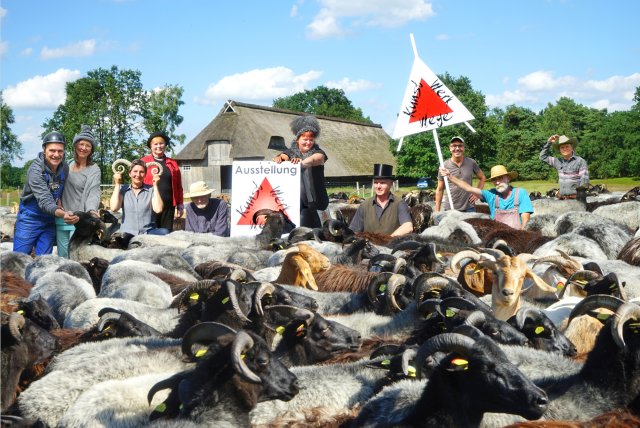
[427,104]
[263,198]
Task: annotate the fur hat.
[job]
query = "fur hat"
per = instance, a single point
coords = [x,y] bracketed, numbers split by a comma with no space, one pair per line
[86,135]
[157,134]
[382,170]
[563,139]
[305,124]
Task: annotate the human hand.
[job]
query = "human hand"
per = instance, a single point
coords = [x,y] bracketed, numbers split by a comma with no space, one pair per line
[296,160]
[444,172]
[156,178]
[473,199]
[553,138]
[180,209]
[117,178]
[70,217]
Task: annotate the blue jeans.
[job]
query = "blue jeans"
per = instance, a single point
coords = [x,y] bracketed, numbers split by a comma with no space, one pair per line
[34,229]
[158,231]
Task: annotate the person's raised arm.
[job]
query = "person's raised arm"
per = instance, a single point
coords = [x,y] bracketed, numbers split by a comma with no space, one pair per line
[460,183]
[156,201]
[115,203]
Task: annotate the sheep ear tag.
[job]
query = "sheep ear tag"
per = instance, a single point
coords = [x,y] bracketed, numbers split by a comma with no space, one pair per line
[382,287]
[458,365]
[225,300]
[194,296]
[450,313]
[301,330]
[280,329]
[634,327]
[539,330]
[559,285]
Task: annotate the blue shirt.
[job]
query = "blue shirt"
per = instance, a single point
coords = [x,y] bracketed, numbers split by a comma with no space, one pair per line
[524,203]
[136,210]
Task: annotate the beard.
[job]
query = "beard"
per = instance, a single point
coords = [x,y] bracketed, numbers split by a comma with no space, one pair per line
[502,187]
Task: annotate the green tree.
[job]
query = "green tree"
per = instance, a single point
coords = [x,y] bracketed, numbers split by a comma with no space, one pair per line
[322,101]
[520,144]
[10,147]
[10,176]
[162,114]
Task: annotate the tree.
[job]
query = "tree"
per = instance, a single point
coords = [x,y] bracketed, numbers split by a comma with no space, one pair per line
[10,147]
[162,115]
[322,101]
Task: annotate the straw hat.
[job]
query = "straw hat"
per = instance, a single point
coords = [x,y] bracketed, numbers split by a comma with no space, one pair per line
[198,188]
[499,170]
[565,140]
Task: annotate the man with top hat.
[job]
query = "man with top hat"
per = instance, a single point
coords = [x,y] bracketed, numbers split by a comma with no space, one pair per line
[464,168]
[572,169]
[40,199]
[205,214]
[509,205]
[383,213]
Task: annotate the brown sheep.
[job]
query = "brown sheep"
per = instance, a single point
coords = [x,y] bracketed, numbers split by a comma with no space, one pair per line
[344,278]
[630,253]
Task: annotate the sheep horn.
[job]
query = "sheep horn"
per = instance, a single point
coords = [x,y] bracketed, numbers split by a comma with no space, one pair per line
[158,167]
[580,275]
[16,322]
[119,166]
[399,265]
[594,302]
[524,314]
[445,342]
[388,349]
[624,313]
[231,291]
[335,227]
[171,382]
[393,284]
[494,252]
[429,306]
[205,332]
[263,289]
[238,275]
[183,297]
[428,282]
[104,319]
[469,331]
[380,262]
[292,312]
[264,211]
[375,284]
[241,344]
[459,256]
[408,355]
[475,318]
[458,302]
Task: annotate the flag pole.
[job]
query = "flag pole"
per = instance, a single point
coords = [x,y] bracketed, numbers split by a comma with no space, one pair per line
[441,162]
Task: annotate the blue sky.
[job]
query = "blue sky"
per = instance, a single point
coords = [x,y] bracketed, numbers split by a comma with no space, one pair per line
[524,52]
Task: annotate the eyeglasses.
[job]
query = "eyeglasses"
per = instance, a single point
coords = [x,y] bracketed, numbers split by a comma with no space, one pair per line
[456,146]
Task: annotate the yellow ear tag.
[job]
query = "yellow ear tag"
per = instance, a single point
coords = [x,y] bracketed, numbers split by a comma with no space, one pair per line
[225,300]
[107,328]
[280,329]
[194,296]
[21,312]
[411,371]
[581,281]
[243,356]
[450,313]
[385,362]
[300,330]
[539,330]
[382,288]
[200,352]
[462,363]
[160,408]
[559,285]
[603,317]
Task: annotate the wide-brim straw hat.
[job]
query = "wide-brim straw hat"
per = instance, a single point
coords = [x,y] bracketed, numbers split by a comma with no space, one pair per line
[499,170]
[198,188]
[565,140]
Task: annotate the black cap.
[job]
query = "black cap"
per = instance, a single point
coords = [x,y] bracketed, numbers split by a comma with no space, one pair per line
[157,134]
[53,137]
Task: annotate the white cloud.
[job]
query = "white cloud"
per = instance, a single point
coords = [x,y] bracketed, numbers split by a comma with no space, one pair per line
[78,49]
[541,87]
[40,92]
[365,13]
[26,52]
[3,12]
[349,85]
[259,84]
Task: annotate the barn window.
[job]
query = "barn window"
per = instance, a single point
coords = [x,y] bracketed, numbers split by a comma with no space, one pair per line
[186,167]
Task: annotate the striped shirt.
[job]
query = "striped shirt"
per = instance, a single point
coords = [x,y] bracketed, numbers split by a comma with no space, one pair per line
[571,173]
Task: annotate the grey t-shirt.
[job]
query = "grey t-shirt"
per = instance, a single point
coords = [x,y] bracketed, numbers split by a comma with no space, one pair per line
[82,189]
[465,172]
[136,210]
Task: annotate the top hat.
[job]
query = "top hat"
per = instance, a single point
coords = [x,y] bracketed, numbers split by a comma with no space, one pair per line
[382,170]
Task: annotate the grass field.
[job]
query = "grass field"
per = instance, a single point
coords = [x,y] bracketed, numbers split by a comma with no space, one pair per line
[10,196]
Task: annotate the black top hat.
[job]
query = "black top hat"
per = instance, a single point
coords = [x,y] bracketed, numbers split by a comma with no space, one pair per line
[382,170]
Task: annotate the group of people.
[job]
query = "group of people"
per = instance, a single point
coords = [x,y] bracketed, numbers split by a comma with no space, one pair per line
[55,190]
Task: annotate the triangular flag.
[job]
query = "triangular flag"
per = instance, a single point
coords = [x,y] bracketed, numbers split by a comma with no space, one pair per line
[428,104]
[263,198]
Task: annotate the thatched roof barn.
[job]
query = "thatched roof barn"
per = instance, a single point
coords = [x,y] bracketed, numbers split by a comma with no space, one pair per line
[251,132]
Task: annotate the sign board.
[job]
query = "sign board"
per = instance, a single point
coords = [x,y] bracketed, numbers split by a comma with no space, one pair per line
[260,185]
[428,104]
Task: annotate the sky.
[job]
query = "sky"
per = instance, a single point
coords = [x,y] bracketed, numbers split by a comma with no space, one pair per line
[523,52]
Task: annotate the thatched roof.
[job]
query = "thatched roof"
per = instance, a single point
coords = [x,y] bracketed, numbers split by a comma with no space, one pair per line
[352,147]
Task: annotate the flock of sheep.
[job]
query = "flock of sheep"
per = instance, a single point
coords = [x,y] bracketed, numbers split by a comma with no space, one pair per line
[466,322]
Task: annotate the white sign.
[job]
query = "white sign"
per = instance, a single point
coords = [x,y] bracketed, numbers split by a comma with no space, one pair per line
[428,104]
[260,185]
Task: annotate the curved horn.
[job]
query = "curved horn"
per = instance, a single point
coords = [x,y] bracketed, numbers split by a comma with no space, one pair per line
[181,299]
[381,262]
[16,322]
[205,332]
[475,318]
[241,344]
[238,275]
[458,302]
[335,227]
[581,275]
[104,319]
[595,301]
[429,282]
[393,284]
[378,283]
[119,166]
[400,265]
[494,252]
[524,314]
[444,342]
[262,289]
[292,312]
[154,165]
[231,290]
[171,382]
[429,306]
[461,255]
[263,211]
[408,355]
[624,313]
[387,349]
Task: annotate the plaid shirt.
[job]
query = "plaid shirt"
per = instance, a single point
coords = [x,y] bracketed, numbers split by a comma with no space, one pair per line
[571,173]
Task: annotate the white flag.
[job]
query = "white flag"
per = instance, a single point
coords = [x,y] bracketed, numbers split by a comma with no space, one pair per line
[428,104]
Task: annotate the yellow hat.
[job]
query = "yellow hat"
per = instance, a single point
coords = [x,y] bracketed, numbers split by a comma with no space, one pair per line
[198,188]
[499,170]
